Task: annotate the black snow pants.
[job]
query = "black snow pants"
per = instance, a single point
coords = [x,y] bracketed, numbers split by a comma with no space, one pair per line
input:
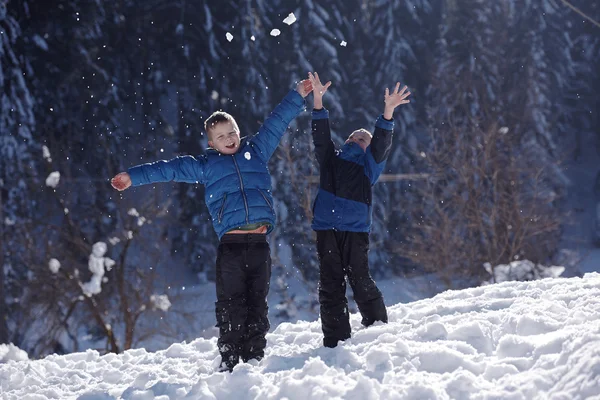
[243,275]
[341,255]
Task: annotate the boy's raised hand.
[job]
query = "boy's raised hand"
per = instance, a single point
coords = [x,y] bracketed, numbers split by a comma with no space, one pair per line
[304,87]
[318,89]
[121,181]
[394,99]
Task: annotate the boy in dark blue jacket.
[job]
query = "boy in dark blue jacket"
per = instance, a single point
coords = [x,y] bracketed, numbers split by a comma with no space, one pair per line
[342,214]
[238,195]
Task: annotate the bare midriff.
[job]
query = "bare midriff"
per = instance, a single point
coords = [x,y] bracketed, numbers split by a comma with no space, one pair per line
[262,229]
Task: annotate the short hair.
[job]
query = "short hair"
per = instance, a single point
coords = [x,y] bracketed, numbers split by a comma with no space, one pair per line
[216,118]
[363,130]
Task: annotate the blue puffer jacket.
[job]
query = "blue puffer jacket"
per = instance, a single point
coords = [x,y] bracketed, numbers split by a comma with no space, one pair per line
[344,198]
[238,186]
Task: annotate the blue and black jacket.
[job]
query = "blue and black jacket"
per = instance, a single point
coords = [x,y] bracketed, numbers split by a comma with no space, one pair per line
[238,186]
[344,198]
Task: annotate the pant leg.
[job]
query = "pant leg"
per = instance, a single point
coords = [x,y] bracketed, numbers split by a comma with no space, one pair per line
[335,320]
[258,276]
[368,297]
[231,307]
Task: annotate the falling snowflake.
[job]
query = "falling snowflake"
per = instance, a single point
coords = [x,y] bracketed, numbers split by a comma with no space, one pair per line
[247,155]
[275,32]
[252,38]
[343,44]
[229,36]
[214,95]
[290,19]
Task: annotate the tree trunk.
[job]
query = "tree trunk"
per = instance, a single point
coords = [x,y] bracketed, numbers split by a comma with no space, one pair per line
[3,307]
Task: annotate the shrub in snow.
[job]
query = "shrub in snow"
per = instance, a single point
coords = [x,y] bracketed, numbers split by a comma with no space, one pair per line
[10,352]
[523,270]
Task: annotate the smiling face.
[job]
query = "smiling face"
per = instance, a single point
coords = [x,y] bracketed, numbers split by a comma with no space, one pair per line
[225,137]
[361,137]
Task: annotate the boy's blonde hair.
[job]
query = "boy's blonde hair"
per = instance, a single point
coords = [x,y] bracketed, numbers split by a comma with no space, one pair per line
[216,118]
[361,130]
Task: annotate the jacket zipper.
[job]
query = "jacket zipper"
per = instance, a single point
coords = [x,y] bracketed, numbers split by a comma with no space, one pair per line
[222,208]
[241,186]
[267,200]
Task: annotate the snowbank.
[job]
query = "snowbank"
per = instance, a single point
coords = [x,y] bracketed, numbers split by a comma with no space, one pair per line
[513,340]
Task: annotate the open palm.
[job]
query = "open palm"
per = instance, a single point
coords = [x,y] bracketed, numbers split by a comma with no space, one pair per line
[318,88]
[397,97]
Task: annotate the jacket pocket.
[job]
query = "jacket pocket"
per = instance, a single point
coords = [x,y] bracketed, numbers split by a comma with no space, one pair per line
[267,200]
[222,208]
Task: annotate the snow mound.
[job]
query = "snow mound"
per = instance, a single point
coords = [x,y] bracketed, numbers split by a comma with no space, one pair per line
[10,352]
[512,340]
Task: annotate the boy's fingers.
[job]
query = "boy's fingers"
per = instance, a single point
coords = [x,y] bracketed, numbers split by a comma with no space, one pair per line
[387,92]
[397,88]
[327,84]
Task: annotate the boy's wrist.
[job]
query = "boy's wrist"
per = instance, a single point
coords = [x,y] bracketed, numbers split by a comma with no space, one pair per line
[388,113]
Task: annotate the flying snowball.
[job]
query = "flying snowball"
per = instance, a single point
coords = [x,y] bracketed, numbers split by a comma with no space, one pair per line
[252,38]
[247,155]
[229,36]
[343,44]
[54,265]
[290,19]
[53,179]
[275,32]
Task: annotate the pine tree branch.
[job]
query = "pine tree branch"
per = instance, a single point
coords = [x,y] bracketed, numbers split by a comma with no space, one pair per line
[578,11]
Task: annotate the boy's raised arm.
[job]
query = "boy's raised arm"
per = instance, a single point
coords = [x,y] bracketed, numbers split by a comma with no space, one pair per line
[270,133]
[179,169]
[381,144]
[321,131]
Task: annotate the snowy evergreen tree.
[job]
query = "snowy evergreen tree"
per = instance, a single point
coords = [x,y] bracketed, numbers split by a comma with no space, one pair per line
[404,31]
[495,111]
[310,44]
[19,151]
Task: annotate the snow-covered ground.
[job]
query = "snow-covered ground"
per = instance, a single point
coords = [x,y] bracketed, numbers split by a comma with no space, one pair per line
[513,340]
[197,302]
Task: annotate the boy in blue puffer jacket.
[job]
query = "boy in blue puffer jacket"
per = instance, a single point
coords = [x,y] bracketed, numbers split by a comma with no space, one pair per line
[342,214]
[238,195]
